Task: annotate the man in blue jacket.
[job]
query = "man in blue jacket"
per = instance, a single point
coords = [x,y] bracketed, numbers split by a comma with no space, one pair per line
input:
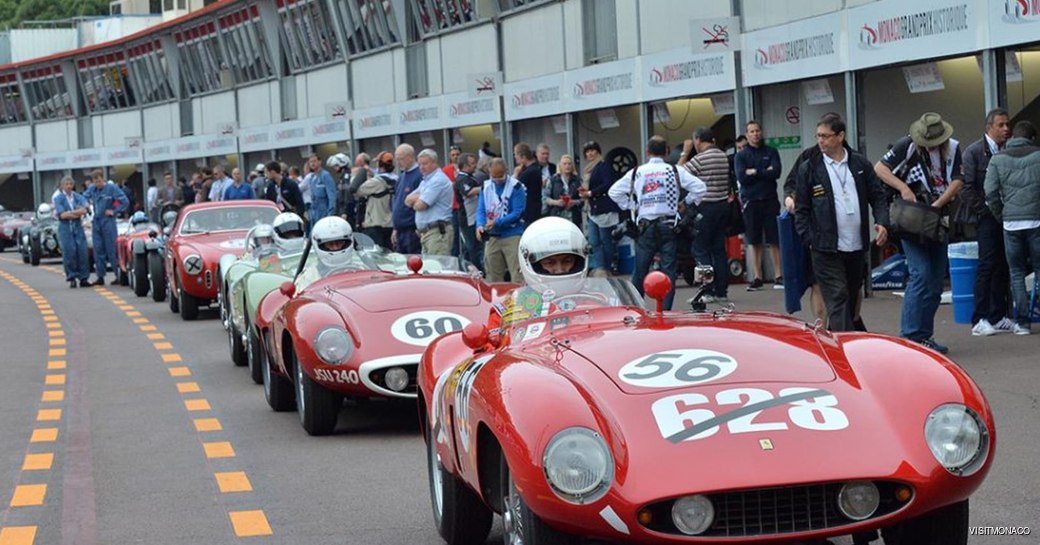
[108,201]
[500,222]
[70,208]
[323,191]
[604,214]
[758,168]
[404,238]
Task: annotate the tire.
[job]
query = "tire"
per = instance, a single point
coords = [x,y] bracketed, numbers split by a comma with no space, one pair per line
[317,406]
[255,358]
[944,526]
[25,255]
[140,275]
[157,280]
[35,252]
[621,160]
[189,306]
[278,390]
[459,514]
[519,523]
[237,348]
[736,268]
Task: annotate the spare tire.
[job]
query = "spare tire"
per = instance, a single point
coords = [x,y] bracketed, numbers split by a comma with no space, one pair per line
[621,160]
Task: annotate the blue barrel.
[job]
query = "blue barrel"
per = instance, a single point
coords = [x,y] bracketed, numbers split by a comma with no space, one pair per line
[964,264]
[626,248]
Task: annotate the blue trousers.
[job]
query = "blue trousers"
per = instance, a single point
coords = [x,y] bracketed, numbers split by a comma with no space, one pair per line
[656,238]
[104,237]
[604,247]
[927,266]
[73,243]
[1022,248]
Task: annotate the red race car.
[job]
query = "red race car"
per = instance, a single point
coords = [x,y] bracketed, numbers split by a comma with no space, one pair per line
[10,223]
[359,331]
[201,235]
[601,420]
[134,233]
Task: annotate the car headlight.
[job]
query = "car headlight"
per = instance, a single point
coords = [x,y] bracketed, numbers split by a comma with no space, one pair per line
[693,515]
[193,264]
[334,345]
[858,500]
[578,465]
[958,438]
[396,379]
[8,231]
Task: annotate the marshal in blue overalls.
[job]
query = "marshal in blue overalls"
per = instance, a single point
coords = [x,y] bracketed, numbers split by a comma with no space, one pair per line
[70,208]
[108,201]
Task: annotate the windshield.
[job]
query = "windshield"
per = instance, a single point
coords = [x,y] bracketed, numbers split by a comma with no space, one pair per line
[226,219]
[526,303]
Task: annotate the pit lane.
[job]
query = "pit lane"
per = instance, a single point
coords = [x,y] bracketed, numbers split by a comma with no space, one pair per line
[140,451]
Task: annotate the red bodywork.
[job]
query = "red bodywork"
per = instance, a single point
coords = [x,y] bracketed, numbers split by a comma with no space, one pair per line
[375,308]
[11,224]
[125,245]
[516,398]
[210,246]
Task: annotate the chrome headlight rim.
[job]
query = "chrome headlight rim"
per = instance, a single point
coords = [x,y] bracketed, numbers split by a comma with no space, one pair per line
[188,270]
[971,464]
[846,495]
[334,335]
[606,477]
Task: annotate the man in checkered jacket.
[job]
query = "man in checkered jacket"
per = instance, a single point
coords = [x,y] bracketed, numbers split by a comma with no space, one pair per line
[650,193]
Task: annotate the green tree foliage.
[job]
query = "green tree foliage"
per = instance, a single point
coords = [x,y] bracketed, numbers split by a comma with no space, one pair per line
[13,12]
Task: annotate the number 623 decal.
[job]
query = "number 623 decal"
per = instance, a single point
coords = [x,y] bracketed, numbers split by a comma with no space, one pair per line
[691,416]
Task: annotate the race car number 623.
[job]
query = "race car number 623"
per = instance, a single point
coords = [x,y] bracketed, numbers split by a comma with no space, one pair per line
[682,367]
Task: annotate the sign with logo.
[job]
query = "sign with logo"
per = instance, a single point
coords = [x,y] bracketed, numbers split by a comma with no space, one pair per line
[602,85]
[460,110]
[123,156]
[922,78]
[338,110]
[13,164]
[1013,21]
[484,84]
[324,131]
[799,50]
[785,142]
[133,141]
[537,97]
[228,128]
[219,144]
[291,134]
[817,91]
[891,31]
[255,139]
[676,73]
[155,152]
[724,104]
[423,114]
[189,147]
[715,34]
[376,121]
[55,160]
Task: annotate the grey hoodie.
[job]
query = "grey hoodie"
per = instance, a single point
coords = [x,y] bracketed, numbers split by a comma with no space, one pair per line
[1013,182]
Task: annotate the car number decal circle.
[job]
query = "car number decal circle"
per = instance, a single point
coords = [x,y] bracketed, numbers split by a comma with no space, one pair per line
[677,368]
[420,328]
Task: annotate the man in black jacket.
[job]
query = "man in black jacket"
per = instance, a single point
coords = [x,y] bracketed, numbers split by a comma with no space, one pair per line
[531,176]
[831,197]
[283,190]
[992,278]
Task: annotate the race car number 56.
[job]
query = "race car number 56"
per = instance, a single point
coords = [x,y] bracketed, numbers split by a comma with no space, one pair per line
[682,367]
[684,417]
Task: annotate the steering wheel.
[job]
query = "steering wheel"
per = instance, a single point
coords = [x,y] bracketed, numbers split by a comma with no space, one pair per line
[595,297]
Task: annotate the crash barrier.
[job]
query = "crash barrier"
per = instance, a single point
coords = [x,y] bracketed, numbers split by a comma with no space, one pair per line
[964,264]
[891,274]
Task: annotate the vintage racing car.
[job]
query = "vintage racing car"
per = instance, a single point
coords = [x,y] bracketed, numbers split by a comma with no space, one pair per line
[133,234]
[359,332]
[604,421]
[40,237]
[198,238]
[10,223]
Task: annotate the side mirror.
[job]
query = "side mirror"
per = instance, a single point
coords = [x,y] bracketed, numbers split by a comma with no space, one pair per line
[287,289]
[475,336]
[415,264]
[166,231]
[657,285]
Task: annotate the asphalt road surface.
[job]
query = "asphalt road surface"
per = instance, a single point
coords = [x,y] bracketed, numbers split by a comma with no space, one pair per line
[122,424]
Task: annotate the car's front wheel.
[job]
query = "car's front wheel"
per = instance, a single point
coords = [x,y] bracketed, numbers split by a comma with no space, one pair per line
[255,356]
[944,526]
[189,306]
[519,523]
[235,345]
[278,390]
[318,407]
[461,517]
[140,276]
[122,276]
[35,251]
[157,279]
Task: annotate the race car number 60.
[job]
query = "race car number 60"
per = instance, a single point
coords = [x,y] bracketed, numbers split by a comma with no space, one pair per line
[682,367]
[420,328]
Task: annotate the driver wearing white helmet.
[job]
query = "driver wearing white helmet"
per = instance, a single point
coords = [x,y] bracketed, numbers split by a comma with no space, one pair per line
[554,265]
[289,232]
[333,241]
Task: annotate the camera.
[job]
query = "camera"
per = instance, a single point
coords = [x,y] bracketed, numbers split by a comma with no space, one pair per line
[689,224]
[627,228]
[703,274]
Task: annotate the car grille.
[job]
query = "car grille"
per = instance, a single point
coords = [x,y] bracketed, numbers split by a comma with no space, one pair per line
[772,511]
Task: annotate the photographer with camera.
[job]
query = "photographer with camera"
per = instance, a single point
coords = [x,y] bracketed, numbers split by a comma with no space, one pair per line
[651,193]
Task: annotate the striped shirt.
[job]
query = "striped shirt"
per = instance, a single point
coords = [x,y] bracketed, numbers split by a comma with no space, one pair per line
[712,166]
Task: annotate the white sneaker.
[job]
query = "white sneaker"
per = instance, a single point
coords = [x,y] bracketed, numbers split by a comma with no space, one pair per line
[1019,329]
[983,329]
[1004,325]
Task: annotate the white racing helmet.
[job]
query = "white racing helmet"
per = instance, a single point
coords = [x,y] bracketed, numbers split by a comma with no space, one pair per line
[338,160]
[263,236]
[289,233]
[549,237]
[44,211]
[138,217]
[333,241]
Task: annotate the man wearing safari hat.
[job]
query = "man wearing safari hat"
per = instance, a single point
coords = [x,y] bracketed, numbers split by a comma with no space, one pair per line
[924,167]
